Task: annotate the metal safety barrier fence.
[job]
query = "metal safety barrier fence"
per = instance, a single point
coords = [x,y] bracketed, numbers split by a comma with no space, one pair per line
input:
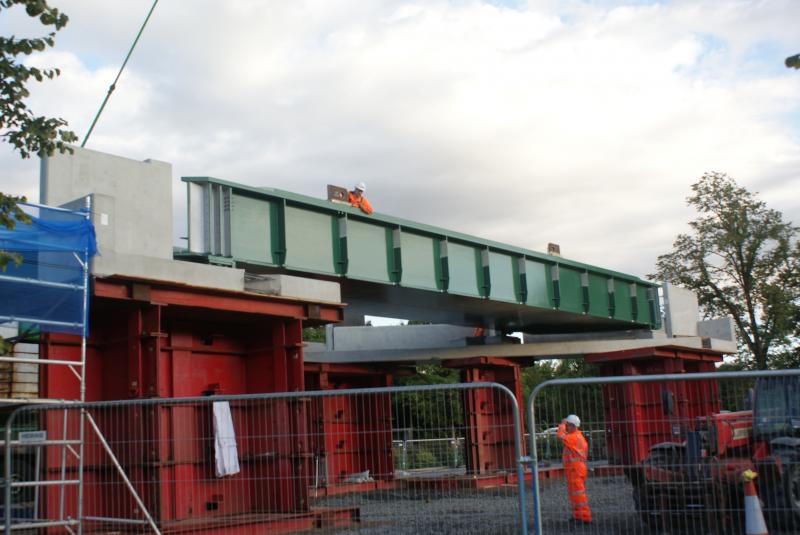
[427,453]
[677,451]
[321,461]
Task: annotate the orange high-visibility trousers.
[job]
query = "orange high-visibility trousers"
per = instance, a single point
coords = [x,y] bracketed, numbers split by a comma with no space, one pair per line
[576,490]
[573,460]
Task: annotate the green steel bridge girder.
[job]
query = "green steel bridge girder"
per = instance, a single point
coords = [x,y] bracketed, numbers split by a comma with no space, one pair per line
[268,230]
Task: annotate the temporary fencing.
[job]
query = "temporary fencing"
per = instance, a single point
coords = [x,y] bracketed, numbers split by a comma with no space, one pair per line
[327,461]
[674,448]
[412,454]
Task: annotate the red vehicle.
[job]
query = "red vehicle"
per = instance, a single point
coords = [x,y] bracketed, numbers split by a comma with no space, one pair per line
[694,480]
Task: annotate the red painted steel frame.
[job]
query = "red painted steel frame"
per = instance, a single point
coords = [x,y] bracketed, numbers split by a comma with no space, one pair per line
[350,434]
[488,415]
[634,415]
[155,339]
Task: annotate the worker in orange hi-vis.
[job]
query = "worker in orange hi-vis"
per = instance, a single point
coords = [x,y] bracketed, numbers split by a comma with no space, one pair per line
[574,460]
[357,200]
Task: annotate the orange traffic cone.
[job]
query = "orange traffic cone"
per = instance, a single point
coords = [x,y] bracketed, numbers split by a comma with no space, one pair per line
[753,517]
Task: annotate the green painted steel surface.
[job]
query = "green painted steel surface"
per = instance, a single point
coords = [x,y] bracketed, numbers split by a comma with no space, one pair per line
[369,252]
[622,301]
[311,241]
[644,306]
[539,288]
[517,287]
[598,295]
[252,219]
[464,270]
[570,290]
[503,277]
[420,261]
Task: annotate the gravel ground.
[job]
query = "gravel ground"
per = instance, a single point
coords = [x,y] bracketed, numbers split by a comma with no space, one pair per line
[405,512]
[494,511]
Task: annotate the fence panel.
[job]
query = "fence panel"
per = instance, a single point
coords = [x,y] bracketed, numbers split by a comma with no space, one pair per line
[380,460]
[666,453]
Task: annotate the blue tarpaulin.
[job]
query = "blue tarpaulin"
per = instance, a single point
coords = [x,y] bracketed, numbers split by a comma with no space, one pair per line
[47,289]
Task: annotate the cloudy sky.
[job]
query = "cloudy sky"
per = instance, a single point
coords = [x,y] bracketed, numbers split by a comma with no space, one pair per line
[576,122]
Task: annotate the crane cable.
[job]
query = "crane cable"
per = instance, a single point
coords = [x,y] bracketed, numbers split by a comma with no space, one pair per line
[113,85]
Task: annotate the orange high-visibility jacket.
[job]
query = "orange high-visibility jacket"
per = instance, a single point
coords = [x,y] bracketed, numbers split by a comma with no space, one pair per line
[360,202]
[575,447]
[574,459]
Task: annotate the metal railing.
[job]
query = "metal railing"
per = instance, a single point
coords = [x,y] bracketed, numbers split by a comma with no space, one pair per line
[675,449]
[321,461]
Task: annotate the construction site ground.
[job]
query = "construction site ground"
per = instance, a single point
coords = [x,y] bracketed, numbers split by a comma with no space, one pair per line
[495,511]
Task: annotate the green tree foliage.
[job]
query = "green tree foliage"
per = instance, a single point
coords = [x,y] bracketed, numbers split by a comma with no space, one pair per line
[554,369]
[788,357]
[430,374]
[28,133]
[554,403]
[742,260]
[440,410]
[10,214]
[314,334]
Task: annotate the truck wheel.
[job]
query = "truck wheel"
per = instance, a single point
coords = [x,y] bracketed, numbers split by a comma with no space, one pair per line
[783,499]
[650,500]
[650,517]
[791,490]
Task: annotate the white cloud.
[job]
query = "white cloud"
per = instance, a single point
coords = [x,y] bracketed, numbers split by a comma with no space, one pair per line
[572,122]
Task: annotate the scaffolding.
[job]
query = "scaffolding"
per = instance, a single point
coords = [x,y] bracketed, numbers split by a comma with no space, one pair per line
[46,289]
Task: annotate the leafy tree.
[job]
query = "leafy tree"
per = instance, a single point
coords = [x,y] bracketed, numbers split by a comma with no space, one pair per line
[785,359]
[28,133]
[314,334]
[10,214]
[431,411]
[545,370]
[742,260]
[430,374]
[554,403]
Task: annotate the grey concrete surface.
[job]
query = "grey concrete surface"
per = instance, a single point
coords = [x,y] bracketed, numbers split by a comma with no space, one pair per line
[295,287]
[681,311]
[397,337]
[137,197]
[189,273]
[132,215]
[721,328]
[384,347]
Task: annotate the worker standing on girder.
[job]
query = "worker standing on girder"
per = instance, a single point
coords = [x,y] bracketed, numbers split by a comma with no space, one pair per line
[573,458]
[357,200]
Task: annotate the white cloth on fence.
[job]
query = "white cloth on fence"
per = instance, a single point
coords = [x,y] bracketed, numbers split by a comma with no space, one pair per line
[225,455]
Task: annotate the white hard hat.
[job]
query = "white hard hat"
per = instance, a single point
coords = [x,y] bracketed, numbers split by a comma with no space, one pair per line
[574,420]
[361,187]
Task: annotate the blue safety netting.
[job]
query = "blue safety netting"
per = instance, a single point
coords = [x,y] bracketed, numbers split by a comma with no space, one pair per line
[46,290]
